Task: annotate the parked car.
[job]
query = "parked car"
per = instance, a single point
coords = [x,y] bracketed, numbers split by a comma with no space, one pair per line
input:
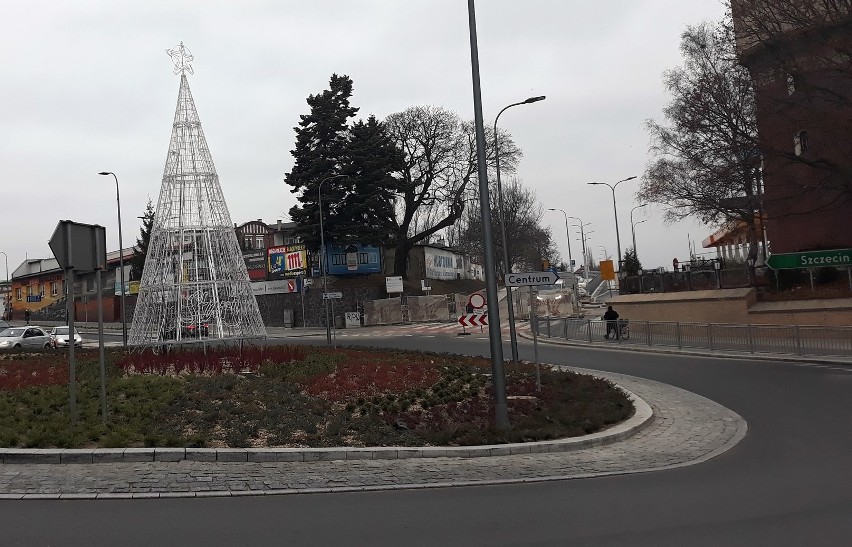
[24,337]
[59,338]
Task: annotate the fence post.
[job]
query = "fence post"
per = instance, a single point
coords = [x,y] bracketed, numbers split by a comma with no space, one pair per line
[710,335]
[565,325]
[648,331]
[750,341]
[548,327]
[589,329]
[677,329]
[798,341]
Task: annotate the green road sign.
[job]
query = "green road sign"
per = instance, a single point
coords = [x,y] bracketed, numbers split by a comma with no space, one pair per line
[812,259]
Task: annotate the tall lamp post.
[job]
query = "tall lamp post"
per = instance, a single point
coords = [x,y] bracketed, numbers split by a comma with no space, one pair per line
[571,262]
[322,255]
[612,187]
[506,268]
[633,225]
[120,261]
[582,226]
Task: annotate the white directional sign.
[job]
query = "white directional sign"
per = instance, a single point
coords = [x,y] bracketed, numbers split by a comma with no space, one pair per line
[331,295]
[531,278]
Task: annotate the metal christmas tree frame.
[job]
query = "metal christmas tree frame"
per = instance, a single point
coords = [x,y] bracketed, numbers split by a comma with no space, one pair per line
[194,286]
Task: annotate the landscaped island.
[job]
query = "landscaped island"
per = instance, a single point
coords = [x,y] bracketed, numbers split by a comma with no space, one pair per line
[292,396]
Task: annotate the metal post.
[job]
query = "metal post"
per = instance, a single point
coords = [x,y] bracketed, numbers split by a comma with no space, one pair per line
[323,256]
[101,359]
[648,331]
[120,261]
[750,341]
[576,305]
[710,335]
[501,413]
[677,330]
[589,329]
[612,187]
[507,268]
[535,342]
[72,368]
[811,274]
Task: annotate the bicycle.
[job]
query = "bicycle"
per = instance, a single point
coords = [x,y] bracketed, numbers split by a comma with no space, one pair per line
[623,330]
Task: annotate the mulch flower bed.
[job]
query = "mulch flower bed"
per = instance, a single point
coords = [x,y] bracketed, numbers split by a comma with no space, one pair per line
[293,396]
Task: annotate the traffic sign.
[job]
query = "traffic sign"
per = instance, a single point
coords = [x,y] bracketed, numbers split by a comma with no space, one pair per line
[531,278]
[476,300]
[331,295]
[473,320]
[811,259]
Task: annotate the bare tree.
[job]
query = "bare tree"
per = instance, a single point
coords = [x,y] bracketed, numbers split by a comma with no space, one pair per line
[706,158]
[440,163]
[528,243]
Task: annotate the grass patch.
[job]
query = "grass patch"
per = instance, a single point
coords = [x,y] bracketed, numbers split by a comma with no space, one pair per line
[292,396]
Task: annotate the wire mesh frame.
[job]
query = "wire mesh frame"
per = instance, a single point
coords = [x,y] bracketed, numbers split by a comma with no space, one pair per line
[194,286]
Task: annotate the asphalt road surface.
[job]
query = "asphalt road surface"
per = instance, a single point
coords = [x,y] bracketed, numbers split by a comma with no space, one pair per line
[789,482]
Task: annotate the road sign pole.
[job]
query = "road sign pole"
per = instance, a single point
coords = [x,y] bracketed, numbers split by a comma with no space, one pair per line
[534,322]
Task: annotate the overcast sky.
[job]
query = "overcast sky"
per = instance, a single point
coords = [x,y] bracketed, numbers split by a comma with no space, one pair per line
[87,86]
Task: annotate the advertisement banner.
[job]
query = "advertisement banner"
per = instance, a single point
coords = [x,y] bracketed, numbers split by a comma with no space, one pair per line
[255,260]
[287,261]
[442,264]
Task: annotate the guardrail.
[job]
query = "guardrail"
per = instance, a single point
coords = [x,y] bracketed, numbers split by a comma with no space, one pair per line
[721,337]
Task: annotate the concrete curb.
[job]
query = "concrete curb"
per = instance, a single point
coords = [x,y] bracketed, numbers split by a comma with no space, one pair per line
[642,418]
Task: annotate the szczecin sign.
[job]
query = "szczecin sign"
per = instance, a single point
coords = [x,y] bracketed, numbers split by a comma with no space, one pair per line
[812,259]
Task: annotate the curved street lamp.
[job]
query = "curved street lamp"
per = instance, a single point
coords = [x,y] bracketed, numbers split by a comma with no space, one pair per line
[120,261]
[571,262]
[506,268]
[633,225]
[322,255]
[612,187]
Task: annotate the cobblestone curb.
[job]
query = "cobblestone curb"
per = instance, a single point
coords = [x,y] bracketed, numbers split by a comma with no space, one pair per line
[640,419]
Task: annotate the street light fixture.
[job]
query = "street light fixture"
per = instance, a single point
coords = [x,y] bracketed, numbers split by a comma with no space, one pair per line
[582,226]
[513,339]
[120,261]
[633,229]
[571,263]
[7,265]
[632,225]
[323,257]
[612,187]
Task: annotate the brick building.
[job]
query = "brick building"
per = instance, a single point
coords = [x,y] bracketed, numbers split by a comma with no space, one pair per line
[797,54]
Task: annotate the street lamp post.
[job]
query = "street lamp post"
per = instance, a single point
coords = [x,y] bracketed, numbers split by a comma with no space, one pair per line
[633,226]
[571,263]
[323,257]
[633,229]
[612,187]
[506,268]
[582,226]
[120,261]
[7,265]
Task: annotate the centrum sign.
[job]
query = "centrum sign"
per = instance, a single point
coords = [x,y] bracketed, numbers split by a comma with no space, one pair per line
[530,278]
[812,259]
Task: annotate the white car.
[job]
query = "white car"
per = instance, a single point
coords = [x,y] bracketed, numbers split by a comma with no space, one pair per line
[24,337]
[59,338]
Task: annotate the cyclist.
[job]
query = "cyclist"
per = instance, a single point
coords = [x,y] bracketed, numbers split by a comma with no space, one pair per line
[611,318]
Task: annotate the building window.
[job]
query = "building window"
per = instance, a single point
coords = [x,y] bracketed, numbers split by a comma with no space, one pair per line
[54,290]
[362,258]
[41,290]
[800,143]
[258,242]
[247,243]
[29,290]
[791,84]
[18,294]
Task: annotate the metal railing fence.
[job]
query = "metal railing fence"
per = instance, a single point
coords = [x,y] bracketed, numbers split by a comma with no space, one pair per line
[721,337]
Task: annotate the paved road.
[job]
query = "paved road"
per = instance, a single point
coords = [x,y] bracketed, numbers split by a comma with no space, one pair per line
[787,483]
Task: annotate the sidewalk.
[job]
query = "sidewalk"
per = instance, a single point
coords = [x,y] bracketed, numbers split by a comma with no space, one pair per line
[685,429]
